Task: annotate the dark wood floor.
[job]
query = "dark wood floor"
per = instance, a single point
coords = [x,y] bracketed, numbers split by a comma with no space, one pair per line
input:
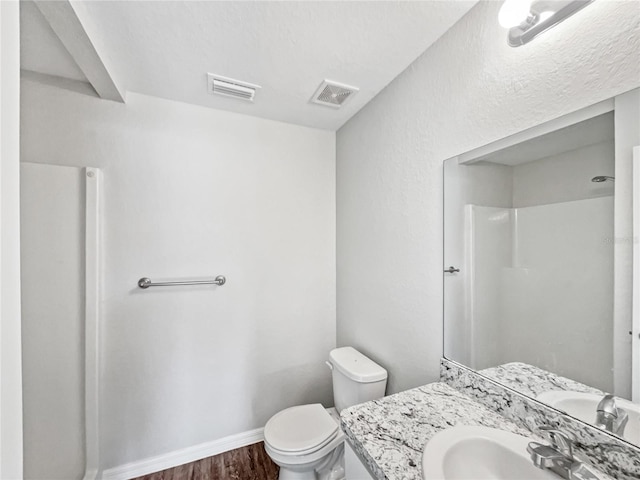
[246,463]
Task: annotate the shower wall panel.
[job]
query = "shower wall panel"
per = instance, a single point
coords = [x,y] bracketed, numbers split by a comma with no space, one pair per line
[52,256]
[553,266]
[561,296]
[488,243]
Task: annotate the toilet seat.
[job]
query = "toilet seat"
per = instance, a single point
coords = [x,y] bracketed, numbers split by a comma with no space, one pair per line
[300,430]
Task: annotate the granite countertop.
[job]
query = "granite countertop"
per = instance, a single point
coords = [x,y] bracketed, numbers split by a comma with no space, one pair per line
[532,381]
[389,434]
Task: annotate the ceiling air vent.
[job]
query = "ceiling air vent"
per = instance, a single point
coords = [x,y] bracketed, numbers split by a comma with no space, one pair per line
[333,94]
[231,88]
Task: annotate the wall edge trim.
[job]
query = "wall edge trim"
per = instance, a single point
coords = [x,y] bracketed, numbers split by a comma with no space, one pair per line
[182,456]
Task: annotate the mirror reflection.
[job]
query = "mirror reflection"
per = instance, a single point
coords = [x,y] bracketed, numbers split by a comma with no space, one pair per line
[531,229]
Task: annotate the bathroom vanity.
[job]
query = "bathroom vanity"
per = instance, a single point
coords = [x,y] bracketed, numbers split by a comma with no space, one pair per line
[389,436]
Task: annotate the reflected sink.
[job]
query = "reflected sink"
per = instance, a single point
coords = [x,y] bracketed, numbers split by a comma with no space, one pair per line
[583,407]
[477,453]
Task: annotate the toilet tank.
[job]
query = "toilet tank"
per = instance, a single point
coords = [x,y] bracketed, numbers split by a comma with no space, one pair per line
[356,378]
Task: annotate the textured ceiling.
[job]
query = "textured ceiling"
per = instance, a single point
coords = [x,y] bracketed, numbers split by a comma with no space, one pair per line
[165,49]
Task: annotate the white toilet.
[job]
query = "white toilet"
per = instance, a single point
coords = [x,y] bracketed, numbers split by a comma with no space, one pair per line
[306,441]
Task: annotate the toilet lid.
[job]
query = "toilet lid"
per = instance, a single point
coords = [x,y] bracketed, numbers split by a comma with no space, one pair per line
[301,428]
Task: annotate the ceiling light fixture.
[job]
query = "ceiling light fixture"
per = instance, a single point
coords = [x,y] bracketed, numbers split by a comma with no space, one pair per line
[513,13]
[526,19]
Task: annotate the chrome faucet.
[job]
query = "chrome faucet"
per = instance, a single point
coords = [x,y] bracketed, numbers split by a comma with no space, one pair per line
[558,457]
[610,417]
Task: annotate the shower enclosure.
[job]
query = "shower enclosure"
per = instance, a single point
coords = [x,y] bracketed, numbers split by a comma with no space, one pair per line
[60,265]
[533,254]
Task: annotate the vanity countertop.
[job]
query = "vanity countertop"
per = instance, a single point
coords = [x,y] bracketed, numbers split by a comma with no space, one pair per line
[532,381]
[389,434]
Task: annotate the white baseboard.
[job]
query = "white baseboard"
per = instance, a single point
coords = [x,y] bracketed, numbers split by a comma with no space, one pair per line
[182,456]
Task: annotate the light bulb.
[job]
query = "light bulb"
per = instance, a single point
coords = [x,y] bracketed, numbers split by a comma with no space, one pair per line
[513,12]
[545,15]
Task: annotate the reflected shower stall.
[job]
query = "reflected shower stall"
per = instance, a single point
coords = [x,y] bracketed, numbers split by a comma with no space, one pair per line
[531,228]
[533,254]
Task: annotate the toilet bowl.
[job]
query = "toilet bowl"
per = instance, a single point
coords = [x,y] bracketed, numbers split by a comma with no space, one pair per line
[306,441]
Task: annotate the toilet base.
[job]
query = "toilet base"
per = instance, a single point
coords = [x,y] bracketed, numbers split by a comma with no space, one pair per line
[286,474]
[331,468]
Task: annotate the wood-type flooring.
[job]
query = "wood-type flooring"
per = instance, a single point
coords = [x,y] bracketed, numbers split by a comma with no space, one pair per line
[246,463]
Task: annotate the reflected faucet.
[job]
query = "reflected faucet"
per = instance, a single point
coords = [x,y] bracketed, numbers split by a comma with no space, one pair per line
[610,417]
[558,457]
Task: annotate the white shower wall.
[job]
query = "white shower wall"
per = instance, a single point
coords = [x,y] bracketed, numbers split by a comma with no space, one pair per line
[487,184]
[554,268]
[53,245]
[488,251]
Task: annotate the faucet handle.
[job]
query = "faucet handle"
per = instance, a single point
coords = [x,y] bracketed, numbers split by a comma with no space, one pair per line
[621,422]
[610,417]
[608,405]
[563,442]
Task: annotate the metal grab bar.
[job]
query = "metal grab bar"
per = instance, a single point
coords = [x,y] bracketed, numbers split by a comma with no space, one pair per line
[146,282]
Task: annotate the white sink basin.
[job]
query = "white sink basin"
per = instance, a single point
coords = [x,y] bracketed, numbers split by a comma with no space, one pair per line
[479,453]
[583,407]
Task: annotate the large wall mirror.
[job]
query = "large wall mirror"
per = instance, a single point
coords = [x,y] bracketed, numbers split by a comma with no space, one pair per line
[538,254]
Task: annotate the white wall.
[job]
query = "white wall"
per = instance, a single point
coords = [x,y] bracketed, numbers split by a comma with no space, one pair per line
[52,222]
[468,89]
[10,350]
[565,177]
[195,192]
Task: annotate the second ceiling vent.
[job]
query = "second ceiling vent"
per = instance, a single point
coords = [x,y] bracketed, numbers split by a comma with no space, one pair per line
[333,94]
